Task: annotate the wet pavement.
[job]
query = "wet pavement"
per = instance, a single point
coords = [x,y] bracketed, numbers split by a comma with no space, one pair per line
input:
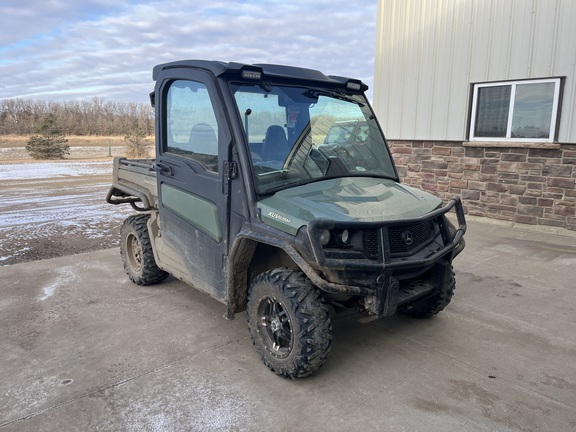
[82,348]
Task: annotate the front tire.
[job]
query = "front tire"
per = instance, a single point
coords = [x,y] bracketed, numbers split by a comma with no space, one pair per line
[289,323]
[136,251]
[436,303]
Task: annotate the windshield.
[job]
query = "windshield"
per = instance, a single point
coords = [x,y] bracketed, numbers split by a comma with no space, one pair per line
[297,135]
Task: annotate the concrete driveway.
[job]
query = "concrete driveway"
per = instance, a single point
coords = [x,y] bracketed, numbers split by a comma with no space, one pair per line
[82,348]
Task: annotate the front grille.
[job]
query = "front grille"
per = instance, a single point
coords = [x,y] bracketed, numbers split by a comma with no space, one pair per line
[371,243]
[407,238]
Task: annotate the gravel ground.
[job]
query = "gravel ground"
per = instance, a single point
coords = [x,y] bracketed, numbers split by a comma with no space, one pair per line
[52,209]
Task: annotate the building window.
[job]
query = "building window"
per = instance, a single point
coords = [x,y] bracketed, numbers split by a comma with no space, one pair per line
[515,110]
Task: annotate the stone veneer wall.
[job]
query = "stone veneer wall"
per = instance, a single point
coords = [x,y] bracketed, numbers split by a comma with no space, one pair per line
[529,183]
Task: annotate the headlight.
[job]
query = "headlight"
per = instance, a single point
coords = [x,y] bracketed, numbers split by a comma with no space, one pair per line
[324,237]
[345,236]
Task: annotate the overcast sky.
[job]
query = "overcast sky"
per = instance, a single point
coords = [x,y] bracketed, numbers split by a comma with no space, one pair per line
[79,49]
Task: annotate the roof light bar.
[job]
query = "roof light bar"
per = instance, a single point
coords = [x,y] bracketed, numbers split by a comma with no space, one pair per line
[354,85]
[251,74]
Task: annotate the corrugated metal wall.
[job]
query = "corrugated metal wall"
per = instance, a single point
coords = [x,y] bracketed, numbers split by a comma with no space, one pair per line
[429,51]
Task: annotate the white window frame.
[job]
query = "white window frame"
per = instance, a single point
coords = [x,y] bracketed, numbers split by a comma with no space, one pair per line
[513,84]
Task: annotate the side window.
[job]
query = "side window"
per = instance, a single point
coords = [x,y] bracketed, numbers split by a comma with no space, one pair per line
[191,126]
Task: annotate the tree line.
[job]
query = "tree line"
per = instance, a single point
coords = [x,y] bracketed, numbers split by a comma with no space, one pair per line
[94,117]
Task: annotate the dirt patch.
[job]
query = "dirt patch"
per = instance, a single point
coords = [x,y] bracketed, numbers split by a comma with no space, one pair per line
[52,209]
[58,244]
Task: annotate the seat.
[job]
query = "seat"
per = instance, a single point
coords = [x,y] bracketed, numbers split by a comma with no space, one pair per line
[203,139]
[276,147]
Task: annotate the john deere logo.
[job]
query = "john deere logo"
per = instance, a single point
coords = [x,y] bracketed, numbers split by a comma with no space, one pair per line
[407,237]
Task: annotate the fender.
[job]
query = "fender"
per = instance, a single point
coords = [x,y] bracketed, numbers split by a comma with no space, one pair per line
[240,257]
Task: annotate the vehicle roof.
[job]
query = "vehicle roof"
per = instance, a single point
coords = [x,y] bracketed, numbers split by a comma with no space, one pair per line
[219,68]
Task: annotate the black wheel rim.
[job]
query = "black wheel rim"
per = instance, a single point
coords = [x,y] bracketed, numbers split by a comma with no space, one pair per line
[134,251]
[275,327]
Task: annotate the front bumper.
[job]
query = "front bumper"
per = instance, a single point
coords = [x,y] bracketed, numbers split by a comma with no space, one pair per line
[450,241]
[391,279]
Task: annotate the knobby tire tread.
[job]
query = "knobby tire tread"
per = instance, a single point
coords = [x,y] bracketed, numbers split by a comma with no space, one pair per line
[313,341]
[431,306]
[150,273]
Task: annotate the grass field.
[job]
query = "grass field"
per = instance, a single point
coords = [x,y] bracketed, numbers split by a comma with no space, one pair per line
[15,141]
[13,148]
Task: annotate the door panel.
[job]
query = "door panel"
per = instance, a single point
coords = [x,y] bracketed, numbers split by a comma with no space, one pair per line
[201,213]
[193,213]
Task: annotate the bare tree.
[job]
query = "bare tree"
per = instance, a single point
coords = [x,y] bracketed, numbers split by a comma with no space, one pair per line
[94,117]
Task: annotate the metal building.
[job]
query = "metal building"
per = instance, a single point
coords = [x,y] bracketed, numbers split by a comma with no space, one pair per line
[484,70]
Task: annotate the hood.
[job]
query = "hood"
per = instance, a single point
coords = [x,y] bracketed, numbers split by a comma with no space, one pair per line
[361,199]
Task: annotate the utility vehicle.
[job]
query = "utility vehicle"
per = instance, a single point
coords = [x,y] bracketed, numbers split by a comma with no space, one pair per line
[273,190]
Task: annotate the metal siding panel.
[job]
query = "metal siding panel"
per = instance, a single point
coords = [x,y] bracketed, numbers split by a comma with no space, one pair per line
[544,38]
[410,46]
[426,76]
[378,93]
[520,39]
[396,84]
[442,68]
[480,42]
[459,87]
[433,49]
[500,29]
[564,64]
[381,65]
[390,82]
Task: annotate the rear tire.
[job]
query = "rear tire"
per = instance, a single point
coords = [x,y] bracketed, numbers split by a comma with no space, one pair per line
[136,251]
[289,323]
